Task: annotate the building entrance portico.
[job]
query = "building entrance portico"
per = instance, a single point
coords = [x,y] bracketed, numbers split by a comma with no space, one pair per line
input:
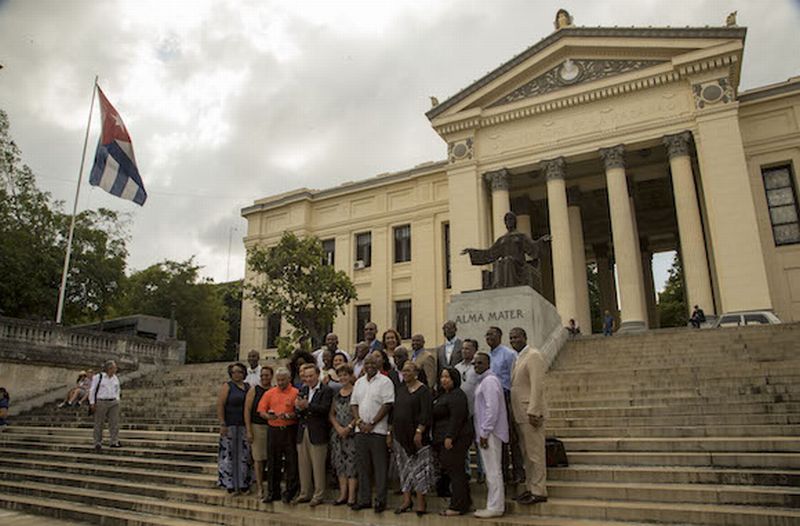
[617,163]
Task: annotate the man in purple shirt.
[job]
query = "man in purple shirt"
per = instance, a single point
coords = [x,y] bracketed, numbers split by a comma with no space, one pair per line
[502,363]
[491,428]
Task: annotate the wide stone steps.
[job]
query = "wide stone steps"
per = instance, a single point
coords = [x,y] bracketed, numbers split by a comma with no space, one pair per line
[674,426]
[653,431]
[223,509]
[122,460]
[676,475]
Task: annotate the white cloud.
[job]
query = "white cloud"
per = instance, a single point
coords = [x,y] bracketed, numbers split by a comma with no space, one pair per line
[228,101]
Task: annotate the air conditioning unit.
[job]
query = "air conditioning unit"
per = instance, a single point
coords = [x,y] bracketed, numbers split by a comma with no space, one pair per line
[359,264]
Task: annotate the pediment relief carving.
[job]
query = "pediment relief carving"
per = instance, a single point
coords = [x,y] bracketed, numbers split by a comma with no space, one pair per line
[572,72]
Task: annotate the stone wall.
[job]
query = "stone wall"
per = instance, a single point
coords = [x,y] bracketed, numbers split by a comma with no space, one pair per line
[40,361]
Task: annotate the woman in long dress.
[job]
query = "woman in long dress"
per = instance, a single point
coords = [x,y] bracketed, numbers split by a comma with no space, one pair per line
[343,445]
[411,424]
[452,436]
[235,468]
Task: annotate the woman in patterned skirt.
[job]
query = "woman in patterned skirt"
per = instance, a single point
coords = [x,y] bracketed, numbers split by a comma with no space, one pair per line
[411,423]
[235,468]
[343,445]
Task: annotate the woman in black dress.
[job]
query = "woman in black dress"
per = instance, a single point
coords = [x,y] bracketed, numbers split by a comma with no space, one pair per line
[411,423]
[452,436]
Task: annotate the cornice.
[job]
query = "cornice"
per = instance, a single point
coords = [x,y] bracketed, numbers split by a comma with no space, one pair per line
[345,188]
[590,95]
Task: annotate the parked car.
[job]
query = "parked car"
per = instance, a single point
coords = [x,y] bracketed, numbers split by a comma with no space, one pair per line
[753,317]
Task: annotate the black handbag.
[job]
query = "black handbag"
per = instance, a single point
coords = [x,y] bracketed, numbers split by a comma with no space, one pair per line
[555,453]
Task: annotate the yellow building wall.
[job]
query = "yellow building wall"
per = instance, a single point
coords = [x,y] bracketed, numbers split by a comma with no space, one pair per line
[419,200]
[771,136]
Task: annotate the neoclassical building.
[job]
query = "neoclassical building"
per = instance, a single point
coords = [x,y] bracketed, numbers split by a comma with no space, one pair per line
[619,143]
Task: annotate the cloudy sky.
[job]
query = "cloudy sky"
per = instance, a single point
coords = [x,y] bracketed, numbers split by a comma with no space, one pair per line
[228,101]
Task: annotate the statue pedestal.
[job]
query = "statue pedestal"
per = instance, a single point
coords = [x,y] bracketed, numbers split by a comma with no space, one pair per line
[476,311]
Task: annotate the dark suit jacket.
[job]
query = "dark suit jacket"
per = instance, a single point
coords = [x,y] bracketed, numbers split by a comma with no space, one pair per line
[315,417]
[455,358]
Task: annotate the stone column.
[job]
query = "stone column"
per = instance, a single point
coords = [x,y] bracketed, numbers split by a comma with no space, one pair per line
[521,206]
[649,284]
[605,279]
[499,181]
[583,313]
[633,314]
[690,229]
[561,245]
[470,227]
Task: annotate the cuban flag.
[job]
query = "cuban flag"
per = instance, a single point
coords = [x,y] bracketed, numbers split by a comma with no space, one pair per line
[114,167]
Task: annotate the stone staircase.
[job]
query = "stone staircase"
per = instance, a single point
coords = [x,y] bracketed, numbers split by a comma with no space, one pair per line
[670,426]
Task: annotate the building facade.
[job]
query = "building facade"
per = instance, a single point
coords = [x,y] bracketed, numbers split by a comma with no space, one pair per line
[619,143]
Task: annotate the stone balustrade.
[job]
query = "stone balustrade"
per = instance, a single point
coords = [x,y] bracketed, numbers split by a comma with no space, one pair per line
[38,342]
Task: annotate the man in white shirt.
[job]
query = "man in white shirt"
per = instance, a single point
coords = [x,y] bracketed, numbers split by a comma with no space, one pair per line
[253,377]
[371,402]
[104,403]
[331,344]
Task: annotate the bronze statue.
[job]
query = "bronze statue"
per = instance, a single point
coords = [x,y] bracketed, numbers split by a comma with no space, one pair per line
[510,267]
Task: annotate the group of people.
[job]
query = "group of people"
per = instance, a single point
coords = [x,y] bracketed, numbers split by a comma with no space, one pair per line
[388,414]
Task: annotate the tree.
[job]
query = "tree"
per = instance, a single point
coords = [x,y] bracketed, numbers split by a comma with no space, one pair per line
[672,311]
[231,294]
[33,234]
[199,309]
[293,280]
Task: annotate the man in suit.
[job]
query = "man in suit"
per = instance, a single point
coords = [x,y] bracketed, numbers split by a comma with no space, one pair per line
[448,354]
[528,407]
[424,359]
[313,405]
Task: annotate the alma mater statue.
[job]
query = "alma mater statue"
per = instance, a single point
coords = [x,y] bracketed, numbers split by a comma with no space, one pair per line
[510,267]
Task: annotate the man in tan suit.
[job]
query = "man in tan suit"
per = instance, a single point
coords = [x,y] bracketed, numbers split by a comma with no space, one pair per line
[425,360]
[528,407]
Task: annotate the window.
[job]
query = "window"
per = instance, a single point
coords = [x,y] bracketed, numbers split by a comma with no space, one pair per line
[273,330]
[402,243]
[446,243]
[363,315]
[782,204]
[364,250]
[755,319]
[402,318]
[329,250]
[730,321]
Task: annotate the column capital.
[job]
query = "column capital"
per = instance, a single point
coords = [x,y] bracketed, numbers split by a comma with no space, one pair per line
[498,179]
[677,144]
[554,168]
[521,205]
[613,157]
[573,196]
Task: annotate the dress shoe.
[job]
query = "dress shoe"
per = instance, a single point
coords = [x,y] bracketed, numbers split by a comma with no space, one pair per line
[300,500]
[116,445]
[358,507]
[488,514]
[532,499]
[98,447]
[380,508]
[315,502]
[523,495]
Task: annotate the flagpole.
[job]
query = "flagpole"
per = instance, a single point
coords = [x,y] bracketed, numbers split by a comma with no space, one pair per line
[62,291]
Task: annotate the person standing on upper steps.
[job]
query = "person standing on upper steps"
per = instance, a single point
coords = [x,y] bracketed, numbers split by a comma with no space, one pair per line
[528,406]
[104,404]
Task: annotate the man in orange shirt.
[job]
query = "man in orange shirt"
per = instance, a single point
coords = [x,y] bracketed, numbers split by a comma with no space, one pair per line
[277,408]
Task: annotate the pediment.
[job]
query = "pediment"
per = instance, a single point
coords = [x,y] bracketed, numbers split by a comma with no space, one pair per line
[571,73]
[575,59]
